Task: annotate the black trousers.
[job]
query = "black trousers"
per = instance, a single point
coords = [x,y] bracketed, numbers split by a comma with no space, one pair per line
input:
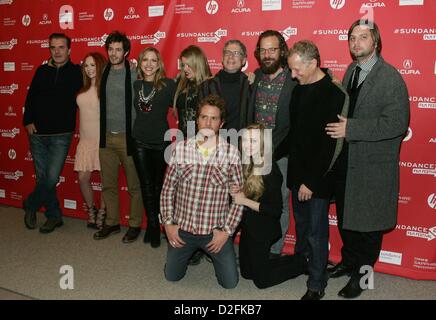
[150,165]
[256,265]
[359,248]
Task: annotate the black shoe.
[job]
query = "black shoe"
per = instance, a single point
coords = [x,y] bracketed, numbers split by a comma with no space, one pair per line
[131,235]
[339,270]
[313,295]
[147,234]
[50,225]
[155,236]
[106,231]
[29,217]
[352,289]
[274,255]
[196,258]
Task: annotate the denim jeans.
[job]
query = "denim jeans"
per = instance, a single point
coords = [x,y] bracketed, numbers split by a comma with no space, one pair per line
[224,261]
[49,153]
[312,229]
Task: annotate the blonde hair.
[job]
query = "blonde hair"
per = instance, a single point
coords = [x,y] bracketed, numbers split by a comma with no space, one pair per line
[158,82]
[253,183]
[197,61]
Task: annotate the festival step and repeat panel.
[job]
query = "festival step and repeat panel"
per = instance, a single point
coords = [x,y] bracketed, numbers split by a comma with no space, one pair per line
[408,33]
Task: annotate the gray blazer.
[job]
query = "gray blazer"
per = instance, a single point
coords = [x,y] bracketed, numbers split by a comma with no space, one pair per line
[375,133]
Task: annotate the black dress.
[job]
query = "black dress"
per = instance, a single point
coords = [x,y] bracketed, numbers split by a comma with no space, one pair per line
[259,230]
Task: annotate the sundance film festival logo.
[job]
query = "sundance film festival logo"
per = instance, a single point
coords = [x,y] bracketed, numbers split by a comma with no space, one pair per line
[153,38]
[427,33]
[9,133]
[289,32]
[420,168]
[212,7]
[132,15]
[408,135]
[183,9]
[408,68]
[108,14]
[341,33]
[337,4]
[8,45]
[12,175]
[424,102]
[240,7]
[26,20]
[418,232]
[205,36]
[432,201]
[92,41]
[9,89]
[66,17]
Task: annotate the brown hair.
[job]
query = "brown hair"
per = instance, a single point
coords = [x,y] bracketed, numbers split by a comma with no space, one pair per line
[215,101]
[282,45]
[373,28]
[100,63]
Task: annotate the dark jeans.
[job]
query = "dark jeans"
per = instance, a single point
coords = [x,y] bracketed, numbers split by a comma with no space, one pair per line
[224,262]
[312,230]
[49,153]
[150,165]
[359,248]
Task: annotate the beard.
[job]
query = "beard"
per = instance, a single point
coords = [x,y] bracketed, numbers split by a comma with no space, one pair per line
[270,68]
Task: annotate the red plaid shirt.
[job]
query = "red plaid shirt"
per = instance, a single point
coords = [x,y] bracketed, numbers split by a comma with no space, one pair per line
[195,193]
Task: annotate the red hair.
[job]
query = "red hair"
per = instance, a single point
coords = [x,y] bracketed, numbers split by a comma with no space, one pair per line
[100,63]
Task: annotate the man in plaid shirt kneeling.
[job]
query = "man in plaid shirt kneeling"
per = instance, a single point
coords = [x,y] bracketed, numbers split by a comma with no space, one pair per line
[195,202]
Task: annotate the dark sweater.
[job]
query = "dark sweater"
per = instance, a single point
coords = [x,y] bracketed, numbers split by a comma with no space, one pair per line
[311,149]
[150,127]
[265,224]
[233,88]
[51,100]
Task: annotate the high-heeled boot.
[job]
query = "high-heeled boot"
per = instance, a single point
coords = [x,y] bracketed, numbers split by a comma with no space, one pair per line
[152,232]
[101,218]
[92,214]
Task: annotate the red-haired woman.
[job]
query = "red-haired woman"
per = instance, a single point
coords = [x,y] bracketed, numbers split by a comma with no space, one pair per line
[87,153]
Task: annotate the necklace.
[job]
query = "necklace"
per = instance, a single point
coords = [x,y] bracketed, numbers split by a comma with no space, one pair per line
[144,103]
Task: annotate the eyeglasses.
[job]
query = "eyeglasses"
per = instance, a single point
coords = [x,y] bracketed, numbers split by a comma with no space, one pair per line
[228,53]
[270,50]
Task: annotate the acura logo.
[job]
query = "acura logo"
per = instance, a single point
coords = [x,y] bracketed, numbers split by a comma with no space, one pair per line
[407,64]
[131,11]
[240,3]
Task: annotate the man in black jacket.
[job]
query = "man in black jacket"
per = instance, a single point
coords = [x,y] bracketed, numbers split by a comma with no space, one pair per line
[50,120]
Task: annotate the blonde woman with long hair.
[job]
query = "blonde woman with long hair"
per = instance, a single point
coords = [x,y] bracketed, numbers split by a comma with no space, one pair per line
[260,225]
[194,69]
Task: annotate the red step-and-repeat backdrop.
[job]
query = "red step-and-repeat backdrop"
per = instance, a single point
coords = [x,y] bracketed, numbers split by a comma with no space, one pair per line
[409,43]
